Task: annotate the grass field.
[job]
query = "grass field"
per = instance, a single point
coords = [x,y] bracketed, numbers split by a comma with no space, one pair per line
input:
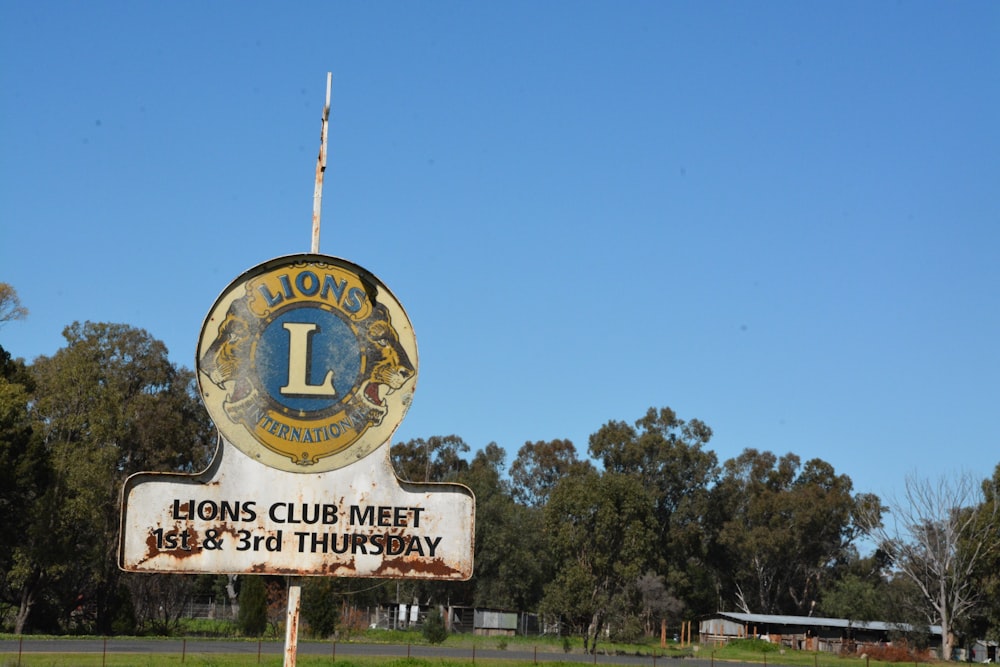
[740,653]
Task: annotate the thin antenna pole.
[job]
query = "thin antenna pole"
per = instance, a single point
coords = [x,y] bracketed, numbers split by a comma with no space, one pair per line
[320,168]
[294,584]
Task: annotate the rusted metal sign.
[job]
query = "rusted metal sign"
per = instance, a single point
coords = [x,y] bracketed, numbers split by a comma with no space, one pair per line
[307,364]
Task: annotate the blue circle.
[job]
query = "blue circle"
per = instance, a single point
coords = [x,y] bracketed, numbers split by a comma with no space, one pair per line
[332,346]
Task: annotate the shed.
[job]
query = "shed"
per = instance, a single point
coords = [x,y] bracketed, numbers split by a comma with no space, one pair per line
[495,623]
[809,633]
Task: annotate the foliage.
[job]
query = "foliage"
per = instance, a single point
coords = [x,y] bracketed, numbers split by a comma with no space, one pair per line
[855,599]
[510,546]
[658,602]
[434,630]
[667,456]
[602,531]
[108,404]
[785,525]
[252,619]
[983,622]
[659,531]
[436,459]
[538,466]
[940,536]
[319,606]
[10,305]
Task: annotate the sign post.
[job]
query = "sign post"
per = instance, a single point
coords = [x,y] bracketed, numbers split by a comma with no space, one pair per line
[307,364]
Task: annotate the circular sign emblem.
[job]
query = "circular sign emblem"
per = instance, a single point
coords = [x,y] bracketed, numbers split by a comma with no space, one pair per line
[307,363]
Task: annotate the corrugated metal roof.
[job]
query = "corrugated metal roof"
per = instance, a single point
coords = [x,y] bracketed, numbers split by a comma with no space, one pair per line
[818,621]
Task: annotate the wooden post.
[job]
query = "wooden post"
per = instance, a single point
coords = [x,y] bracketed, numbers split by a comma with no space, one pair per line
[663,633]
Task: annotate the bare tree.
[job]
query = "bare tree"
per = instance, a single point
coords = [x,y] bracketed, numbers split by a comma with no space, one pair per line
[936,536]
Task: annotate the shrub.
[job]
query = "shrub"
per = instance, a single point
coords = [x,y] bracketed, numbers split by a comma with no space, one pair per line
[434,630]
[253,606]
[319,606]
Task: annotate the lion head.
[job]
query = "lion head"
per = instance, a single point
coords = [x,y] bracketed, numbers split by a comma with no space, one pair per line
[391,367]
[223,361]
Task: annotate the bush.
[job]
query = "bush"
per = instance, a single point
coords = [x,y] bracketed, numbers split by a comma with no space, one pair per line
[319,606]
[891,653]
[434,630]
[252,618]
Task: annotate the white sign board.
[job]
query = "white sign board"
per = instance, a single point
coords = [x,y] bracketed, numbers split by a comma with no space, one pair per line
[307,364]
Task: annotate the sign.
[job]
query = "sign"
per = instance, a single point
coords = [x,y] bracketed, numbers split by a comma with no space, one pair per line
[306,364]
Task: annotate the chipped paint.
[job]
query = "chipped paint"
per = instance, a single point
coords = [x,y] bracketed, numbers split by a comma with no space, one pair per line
[241,517]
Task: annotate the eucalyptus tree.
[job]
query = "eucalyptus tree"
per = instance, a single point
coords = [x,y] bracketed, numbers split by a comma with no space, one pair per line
[668,456]
[539,465]
[786,526]
[601,531]
[25,476]
[435,459]
[107,405]
[985,619]
[511,557]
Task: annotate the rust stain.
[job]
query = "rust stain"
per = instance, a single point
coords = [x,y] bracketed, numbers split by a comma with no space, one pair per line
[408,566]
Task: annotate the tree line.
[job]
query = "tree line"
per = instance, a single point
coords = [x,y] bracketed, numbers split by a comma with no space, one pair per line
[646,525]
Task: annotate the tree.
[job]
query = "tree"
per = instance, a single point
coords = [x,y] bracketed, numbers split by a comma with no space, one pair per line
[436,459]
[938,536]
[25,476]
[786,525]
[319,605]
[511,554]
[107,405]
[602,533]
[10,305]
[858,588]
[853,598]
[665,455]
[252,619]
[985,622]
[657,602]
[539,465]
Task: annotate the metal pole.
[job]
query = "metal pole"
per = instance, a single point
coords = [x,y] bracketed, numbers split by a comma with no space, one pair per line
[294,585]
[292,622]
[320,168]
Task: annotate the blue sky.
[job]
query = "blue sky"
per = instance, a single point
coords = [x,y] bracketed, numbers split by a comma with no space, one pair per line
[780,218]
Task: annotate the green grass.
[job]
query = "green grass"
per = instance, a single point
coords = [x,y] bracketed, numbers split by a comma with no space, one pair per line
[745,651]
[157,660]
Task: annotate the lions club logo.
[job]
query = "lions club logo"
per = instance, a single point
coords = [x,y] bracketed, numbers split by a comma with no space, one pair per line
[307,363]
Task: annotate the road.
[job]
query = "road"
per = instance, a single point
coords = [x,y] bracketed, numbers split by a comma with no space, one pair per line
[27,646]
